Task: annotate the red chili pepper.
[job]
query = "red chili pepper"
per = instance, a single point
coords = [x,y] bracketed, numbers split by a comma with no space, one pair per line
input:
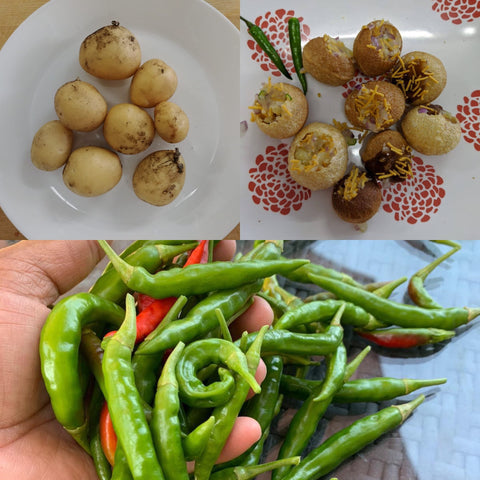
[199,254]
[108,437]
[149,318]
[406,337]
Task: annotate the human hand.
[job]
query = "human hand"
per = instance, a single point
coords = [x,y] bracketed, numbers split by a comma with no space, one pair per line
[33,274]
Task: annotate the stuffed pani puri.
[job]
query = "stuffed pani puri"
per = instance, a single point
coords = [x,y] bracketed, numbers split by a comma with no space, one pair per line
[318,156]
[356,197]
[431,130]
[280,110]
[328,60]
[375,106]
[377,47]
[421,77]
[387,156]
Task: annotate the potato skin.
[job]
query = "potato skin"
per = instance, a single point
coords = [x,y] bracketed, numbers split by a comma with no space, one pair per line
[91,171]
[153,82]
[325,64]
[80,106]
[51,146]
[171,122]
[111,52]
[159,177]
[128,129]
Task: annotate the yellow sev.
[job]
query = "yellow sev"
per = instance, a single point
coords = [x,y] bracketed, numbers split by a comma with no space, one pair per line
[403,164]
[270,103]
[371,105]
[354,182]
[412,78]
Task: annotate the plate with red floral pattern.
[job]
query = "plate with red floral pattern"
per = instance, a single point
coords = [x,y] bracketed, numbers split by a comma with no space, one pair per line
[441,197]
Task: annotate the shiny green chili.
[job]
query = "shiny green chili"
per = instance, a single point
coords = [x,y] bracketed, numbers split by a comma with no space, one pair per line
[124,402]
[295,38]
[59,346]
[165,424]
[348,441]
[390,312]
[252,471]
[198,278]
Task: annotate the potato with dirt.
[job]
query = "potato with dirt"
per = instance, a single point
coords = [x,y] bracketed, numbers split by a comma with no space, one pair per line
[80,106]
[111,52]
[171,122]
[160,177]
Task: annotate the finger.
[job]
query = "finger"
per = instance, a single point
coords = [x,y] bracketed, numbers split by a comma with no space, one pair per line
[224,250]
[46,269]
[259,314]
[245,432]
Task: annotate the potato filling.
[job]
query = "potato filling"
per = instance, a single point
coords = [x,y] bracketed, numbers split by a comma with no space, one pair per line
[271,102]
[313,152]
[337,47]
[383,39]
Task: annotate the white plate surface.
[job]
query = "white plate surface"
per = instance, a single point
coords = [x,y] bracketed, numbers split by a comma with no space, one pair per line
[199,43]
[442,197]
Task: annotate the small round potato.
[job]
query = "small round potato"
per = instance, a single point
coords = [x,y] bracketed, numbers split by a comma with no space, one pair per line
[51,146]
[111,53]
[128,129]
[159,177]
[80,106]
[153,82]
[91,171]
[171,122]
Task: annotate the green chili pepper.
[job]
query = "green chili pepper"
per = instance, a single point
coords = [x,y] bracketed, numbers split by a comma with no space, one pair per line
[386,290]
[121,470]
[150,256]
[198,278]
[198,355]
[124,402]
[194,443]
[249,472]
[165,425]
[226,414]
[321,311]
[59,346]
[295,37]
[264,43]
[376,389]
[395,313]
[351,440]
[416,287]
[200,320]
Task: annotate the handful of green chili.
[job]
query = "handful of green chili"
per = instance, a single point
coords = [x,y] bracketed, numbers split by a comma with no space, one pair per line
[175,396]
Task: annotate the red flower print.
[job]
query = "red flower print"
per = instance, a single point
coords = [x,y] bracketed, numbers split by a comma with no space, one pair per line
[275,26]
[469,116]
[416,199]
[457,11]
[357,82]
[272,186]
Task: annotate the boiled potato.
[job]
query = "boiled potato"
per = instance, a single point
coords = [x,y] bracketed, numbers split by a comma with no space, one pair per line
[159,177]
[111,53]
[51,146]
[154,82]
[91,171]
[171,122]
[80,106]
[128,129]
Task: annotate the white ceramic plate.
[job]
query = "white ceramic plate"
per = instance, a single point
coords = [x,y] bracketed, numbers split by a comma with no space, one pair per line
[42,54]
[443,196]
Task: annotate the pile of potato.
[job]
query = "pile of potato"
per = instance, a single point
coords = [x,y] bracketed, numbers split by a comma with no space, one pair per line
[113,53]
